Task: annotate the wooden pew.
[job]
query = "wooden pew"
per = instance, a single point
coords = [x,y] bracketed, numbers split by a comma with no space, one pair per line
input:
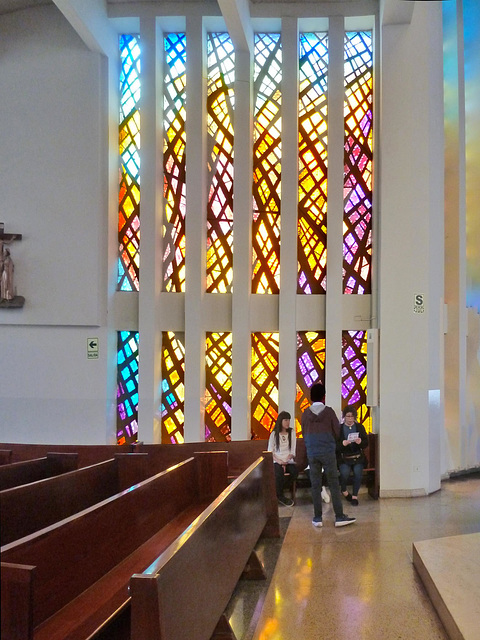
[31,507]
[241,453]
[184,593]
[5,456]
[18,473]
[371,473]
[67,580]
[88,454]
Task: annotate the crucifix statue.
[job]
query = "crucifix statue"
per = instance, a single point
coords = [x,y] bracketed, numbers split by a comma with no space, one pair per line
[8,294]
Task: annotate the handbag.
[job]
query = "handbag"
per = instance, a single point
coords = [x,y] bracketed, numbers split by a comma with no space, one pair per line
[353,459]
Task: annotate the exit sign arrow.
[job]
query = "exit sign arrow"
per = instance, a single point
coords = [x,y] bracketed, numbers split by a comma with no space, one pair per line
[92,348]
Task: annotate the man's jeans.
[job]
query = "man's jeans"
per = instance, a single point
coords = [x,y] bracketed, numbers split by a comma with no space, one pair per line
[328,462]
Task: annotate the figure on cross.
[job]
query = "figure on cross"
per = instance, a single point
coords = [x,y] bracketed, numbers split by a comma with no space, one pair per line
[7,268]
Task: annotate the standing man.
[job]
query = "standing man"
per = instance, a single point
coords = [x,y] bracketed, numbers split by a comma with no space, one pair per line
[321,430]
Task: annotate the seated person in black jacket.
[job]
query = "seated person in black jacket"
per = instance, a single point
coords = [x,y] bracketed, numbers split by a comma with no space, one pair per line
[353,439]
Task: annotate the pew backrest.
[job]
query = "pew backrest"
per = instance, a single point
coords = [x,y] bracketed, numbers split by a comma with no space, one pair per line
[5,456]
[88,454]
[34,506]
[73,554]
[18,473]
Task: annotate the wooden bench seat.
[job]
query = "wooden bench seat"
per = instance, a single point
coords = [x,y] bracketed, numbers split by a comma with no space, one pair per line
[69,579]
[18,473]
[184,592]
[34,506]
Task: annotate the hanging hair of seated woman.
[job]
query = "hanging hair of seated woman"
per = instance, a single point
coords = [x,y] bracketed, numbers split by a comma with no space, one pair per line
[283,415]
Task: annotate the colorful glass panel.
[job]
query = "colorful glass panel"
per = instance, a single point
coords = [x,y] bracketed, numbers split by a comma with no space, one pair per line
[127,387]
[264,407]
[267,156]
[218,381]
[129,140]
[220,106]
[357,219]
[354,374]
[310,369]
[173,387]
[312,160]
[174,162]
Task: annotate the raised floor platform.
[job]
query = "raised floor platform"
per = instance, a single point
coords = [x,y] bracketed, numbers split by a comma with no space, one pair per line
[450,571]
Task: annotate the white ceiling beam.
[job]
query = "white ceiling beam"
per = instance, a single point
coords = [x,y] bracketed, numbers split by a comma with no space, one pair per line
[396,11]
[236,14]
[90,21]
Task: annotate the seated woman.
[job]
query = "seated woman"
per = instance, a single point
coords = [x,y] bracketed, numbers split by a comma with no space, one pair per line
[353,439]
[282,444]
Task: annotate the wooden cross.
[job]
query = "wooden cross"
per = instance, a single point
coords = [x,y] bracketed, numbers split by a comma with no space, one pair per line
[11,300]
[6,238]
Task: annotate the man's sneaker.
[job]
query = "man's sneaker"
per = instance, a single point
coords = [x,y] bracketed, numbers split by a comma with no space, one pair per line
[317,522]
[342,521]
[285,501]
[325,495]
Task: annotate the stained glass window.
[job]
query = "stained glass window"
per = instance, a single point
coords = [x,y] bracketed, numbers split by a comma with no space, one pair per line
[174,162]
[220,106]
[267,156]
[354,374]
[310,369]
[173,387]
[312,174]
[264,408]
[218,380]
[129,140]
[357,219]
[127,386]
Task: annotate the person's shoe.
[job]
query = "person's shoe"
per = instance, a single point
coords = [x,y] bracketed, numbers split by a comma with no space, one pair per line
[342,521]
[355,502]
[325,495]
[347,497]
[285,501]
[317,522]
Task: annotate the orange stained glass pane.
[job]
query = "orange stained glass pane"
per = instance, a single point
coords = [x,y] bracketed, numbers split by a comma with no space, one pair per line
[265,352]
[218,393]
[267,164]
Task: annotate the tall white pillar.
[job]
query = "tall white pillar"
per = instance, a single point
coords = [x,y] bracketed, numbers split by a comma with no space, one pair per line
[195,232]
[242,247]
[150,242]
[336,93]
[411,259]
[288,219]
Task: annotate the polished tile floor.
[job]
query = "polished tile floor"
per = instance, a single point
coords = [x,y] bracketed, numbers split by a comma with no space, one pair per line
[358,581]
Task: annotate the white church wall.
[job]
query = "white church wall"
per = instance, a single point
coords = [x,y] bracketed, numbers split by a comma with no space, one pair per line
[53,167]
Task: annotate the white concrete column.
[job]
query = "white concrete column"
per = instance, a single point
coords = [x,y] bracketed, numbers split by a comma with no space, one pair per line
[195,231]
[336,93]
[150,239]
[288,219]
[411,260]
[242,246]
